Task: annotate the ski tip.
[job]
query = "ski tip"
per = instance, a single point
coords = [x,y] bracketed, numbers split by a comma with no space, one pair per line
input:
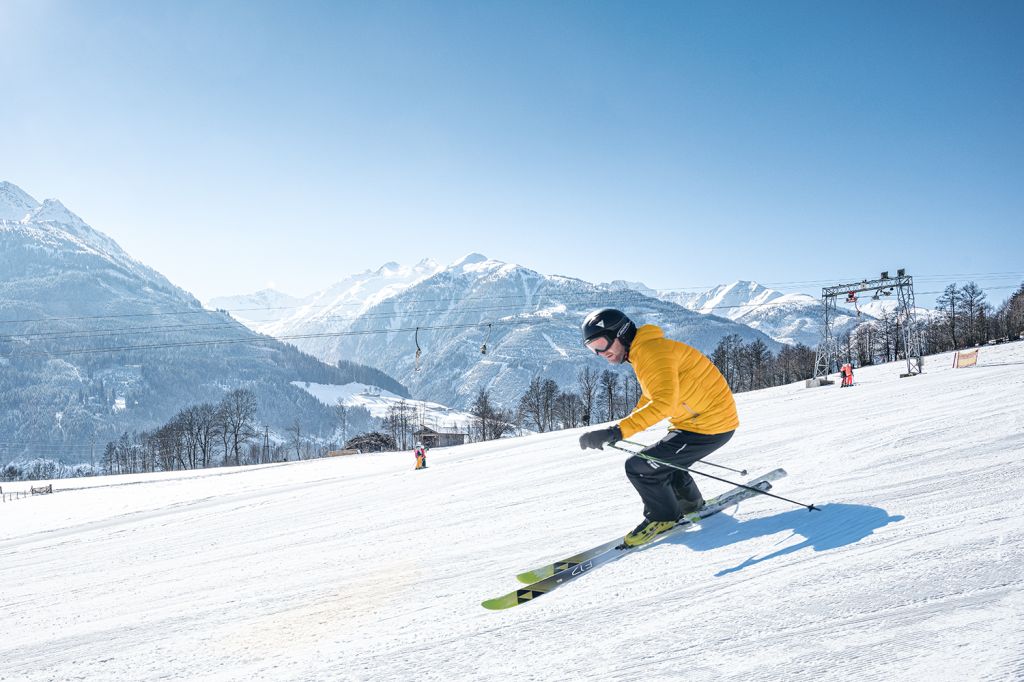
[544,572]
[505,601]
[493,604]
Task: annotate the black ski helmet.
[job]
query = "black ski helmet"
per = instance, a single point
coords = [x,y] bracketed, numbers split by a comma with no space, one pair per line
[609,323]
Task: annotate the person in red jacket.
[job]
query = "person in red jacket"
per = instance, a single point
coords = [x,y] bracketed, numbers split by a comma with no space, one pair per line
[847,373]
[678,383]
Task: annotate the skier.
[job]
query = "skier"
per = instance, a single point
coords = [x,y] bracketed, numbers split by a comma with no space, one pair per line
[677,382]
[421,456]
[847,372]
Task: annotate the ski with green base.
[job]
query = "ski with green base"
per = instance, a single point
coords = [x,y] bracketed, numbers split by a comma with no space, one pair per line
[711,507]
[551,576]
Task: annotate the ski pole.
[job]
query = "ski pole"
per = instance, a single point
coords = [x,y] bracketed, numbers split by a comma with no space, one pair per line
[810,507]
[742,472]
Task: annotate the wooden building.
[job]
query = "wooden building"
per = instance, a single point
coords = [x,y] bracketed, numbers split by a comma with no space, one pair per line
[439,437]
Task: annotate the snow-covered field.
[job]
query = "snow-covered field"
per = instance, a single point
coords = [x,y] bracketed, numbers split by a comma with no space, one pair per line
[360,568]
[379,401]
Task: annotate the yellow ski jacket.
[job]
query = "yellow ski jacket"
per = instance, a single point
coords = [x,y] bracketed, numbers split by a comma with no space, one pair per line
[679,383]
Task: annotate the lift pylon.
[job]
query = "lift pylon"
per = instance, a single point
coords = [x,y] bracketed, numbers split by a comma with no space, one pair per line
[903,285]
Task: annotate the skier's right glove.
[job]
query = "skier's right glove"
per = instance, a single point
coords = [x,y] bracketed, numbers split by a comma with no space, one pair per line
[599,438]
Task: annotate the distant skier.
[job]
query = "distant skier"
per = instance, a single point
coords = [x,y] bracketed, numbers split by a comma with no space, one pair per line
[677,382]
[847,373]
[421,456]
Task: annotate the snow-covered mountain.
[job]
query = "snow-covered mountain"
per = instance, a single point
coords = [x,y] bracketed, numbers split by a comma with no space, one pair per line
[528,321]
[330,310]
[258,309]
[51,228]
[793,318]
[887,306]
[735,300]
[94,343]
[15,203]
[787,318]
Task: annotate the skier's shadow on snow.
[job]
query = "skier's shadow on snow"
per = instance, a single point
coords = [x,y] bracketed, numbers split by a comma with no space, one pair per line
[834,526]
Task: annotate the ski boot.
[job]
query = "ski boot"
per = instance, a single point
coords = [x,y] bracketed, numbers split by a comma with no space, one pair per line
[647,531]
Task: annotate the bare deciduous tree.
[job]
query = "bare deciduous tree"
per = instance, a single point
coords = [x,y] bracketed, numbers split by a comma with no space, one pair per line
[237,412]
[609,394]
[296,441]
[587,381]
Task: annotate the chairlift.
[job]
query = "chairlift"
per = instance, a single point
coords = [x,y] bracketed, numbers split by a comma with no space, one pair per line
[418,351]
[483,346]
[851,297]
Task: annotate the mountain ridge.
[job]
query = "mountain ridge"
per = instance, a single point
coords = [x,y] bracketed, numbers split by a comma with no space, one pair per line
[94,343]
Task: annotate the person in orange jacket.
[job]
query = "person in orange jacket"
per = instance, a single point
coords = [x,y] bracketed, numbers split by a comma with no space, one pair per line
[421,456]
[847,371]
[679,383]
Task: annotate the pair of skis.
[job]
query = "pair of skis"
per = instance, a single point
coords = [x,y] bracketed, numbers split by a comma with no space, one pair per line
[542,580]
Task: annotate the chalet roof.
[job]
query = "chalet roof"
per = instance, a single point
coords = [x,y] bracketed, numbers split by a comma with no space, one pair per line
[449,430]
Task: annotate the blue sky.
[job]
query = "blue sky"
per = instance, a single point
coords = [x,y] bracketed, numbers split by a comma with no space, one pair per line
[237,145]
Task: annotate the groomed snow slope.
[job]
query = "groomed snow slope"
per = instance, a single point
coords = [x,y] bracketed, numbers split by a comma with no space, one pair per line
[360,568]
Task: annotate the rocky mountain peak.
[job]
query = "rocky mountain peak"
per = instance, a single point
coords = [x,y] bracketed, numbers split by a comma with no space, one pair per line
[15,203]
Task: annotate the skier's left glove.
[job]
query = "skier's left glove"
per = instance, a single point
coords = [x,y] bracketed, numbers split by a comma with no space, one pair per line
[599,438]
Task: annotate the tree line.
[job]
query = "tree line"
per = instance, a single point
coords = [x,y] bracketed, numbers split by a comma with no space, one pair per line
[609,395]
[963,318]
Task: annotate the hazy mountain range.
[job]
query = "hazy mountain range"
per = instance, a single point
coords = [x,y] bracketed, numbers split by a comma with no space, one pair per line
[785,318]
[94,343]
[528,321]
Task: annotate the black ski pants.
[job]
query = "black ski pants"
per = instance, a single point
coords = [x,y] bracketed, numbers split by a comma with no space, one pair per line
[661,487]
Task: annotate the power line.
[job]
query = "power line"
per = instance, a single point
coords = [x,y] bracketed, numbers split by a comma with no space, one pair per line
[590,297]
[599,292]
[625,296]
[111,316]
[261,338]
[249,339]
[123,330]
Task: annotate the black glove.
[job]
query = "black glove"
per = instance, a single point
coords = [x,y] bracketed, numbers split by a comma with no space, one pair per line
[597,439]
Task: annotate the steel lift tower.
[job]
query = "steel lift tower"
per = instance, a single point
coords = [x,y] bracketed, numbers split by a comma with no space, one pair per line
[903,285]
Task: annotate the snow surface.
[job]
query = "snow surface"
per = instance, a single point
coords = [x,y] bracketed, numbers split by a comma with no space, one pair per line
[378,401]
[360,568]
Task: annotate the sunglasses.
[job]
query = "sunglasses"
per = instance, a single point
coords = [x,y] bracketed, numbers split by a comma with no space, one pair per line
[600,344]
